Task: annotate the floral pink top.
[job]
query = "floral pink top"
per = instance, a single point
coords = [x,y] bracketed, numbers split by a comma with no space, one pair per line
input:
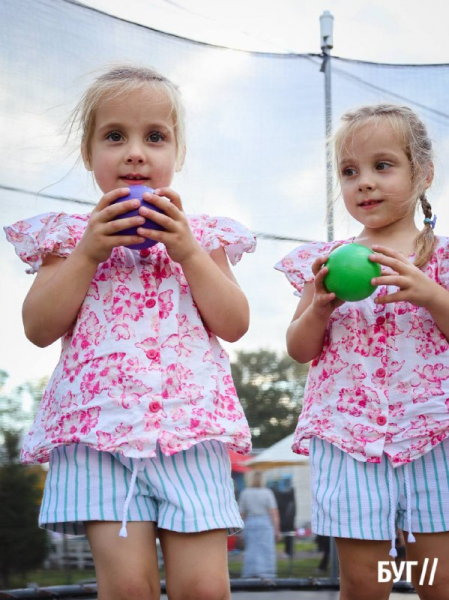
[381,382]
[138,367]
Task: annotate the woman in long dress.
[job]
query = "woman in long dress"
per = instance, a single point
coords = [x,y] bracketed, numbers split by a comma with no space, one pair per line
[259,511]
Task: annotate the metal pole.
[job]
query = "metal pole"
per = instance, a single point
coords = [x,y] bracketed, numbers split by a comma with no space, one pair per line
[327,43]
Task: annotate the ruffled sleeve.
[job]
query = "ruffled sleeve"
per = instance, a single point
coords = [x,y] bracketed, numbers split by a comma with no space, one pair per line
[440,259]
[222,232]
[297,265]
[49,233]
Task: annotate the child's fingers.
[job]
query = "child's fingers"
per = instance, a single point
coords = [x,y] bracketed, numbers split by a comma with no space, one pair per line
[388,257]
[114,226]
[389,279]
[126,240]
[389,298]
[153,234]
[173,197]
[161,218]
[318,263]
[171,217]
[110,197]
[320,275]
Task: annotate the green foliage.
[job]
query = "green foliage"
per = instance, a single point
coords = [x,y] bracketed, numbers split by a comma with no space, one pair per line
[10,407]
[13,416]
[22,544]
[270,388]
[34,390]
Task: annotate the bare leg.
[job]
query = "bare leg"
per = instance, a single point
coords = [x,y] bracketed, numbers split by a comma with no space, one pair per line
[431,546]
[196,565]
[126,568]
[359,563]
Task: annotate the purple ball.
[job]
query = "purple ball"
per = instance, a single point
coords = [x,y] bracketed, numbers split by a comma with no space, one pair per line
[136,193]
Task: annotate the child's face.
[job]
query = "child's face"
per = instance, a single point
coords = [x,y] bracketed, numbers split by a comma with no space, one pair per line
[376,177]
[133,142]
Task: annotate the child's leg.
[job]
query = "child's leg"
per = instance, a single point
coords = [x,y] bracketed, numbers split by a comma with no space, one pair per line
[430,546]
[359,563]
[196,565]
[126,568]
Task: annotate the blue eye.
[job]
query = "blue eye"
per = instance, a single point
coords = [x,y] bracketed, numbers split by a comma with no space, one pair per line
[348,172]
[155,137]
[114,136]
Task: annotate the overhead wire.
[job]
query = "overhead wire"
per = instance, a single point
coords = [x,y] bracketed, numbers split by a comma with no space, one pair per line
[288,53]
[365,83]
[259,234]
[212,19]
[285,52]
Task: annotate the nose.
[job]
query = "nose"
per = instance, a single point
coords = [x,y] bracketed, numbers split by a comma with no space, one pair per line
[135,155]
[366,182]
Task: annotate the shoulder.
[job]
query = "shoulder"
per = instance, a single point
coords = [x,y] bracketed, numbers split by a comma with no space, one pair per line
[297,264]
[47,233]
[222,232]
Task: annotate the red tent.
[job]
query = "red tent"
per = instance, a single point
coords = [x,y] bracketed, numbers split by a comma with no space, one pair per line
[237,462]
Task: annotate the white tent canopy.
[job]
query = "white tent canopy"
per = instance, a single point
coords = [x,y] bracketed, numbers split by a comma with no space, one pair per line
[278,455]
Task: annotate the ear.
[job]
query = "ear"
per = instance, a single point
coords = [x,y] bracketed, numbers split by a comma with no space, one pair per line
[430,173]
[85,156]
[180,160]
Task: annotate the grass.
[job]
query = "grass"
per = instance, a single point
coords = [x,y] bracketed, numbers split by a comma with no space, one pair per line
[299,567]
[49,577]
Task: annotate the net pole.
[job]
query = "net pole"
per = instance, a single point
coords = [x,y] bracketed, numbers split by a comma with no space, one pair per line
[326,30]
[327,43]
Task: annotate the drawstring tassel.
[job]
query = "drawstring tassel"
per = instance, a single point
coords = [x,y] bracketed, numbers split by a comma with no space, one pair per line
[393,552]
[123,531]
[410,538]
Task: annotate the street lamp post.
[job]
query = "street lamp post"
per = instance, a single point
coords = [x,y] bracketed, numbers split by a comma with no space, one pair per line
[327,43]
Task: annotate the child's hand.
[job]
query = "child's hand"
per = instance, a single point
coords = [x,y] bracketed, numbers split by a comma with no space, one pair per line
[414,285]
[177,235]
[323,302]
[99,240]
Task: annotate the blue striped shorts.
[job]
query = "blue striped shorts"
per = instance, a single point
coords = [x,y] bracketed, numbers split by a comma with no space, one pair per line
[190,491]
[354,499]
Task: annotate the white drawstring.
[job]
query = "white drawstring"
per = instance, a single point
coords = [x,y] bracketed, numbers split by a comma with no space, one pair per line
[408,503]
[123,531]
[393,552]
[408,507]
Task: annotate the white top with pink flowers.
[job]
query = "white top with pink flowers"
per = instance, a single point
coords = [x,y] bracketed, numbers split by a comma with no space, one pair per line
[138,368]
[381,382]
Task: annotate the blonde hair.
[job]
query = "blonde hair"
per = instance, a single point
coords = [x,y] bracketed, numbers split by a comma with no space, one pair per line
[413,136]
[119,80]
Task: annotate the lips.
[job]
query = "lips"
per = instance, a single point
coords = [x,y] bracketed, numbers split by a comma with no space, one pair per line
[134,177]
[370,202]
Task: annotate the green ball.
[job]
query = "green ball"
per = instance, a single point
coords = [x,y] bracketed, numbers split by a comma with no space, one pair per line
[350,272]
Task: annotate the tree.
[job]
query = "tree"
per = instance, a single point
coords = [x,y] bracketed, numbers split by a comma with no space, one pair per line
[270,388]
[10,407]
[23,545]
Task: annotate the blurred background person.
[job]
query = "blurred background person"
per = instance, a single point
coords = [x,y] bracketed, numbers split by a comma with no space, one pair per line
[259,511]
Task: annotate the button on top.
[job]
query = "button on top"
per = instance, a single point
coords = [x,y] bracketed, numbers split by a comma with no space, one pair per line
[145,252]
[155,406]
[381,420]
